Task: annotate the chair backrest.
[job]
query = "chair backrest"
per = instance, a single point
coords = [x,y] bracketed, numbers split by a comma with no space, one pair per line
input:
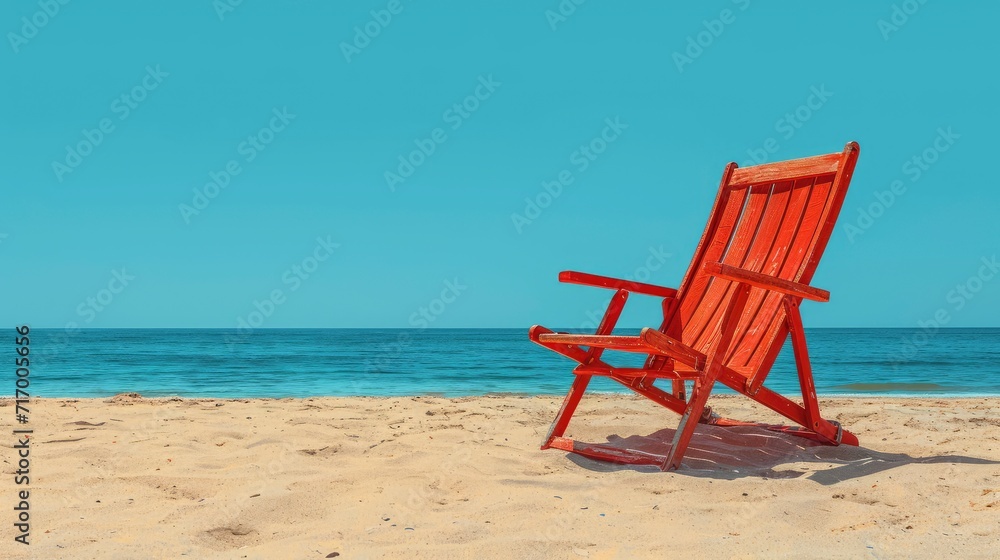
[774,219]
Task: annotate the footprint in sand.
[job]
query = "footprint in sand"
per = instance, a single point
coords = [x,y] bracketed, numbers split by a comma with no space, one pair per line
[327,451]
[236,535]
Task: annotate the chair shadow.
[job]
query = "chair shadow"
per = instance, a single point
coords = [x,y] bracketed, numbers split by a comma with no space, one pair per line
[731,453]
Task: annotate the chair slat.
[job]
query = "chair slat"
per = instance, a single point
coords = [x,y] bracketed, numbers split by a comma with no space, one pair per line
[715,240]
[796,194]
[771,219]
[714,304]
[785,170]
[769,345]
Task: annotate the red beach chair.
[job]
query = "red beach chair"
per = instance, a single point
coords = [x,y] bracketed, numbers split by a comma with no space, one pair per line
[730,316]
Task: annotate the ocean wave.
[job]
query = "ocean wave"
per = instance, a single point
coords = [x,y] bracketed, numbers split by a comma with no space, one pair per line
[898,387]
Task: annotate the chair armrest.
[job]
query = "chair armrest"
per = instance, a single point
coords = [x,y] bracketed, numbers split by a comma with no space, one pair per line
[765,281]
[571,277]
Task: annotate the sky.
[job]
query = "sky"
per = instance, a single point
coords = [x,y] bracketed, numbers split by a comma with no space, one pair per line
[436,164]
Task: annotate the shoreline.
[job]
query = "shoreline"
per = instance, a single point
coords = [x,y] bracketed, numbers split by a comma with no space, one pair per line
[404,477]
[717,394]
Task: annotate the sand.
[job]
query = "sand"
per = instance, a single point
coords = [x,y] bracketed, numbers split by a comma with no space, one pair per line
[421,477]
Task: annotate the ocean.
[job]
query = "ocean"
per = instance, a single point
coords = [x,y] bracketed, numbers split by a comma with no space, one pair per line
[462,362]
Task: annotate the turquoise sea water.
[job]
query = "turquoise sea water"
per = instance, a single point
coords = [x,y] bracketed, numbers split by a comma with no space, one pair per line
[456,362]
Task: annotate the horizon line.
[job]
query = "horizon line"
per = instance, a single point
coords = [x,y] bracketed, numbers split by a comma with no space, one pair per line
[441,328]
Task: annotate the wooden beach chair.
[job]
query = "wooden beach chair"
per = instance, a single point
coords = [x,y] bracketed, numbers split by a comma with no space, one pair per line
[729,318]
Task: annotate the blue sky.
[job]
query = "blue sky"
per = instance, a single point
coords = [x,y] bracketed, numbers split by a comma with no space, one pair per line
[301,116]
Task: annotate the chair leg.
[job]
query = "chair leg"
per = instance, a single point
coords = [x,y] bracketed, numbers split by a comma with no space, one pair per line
[579,386]
[703,386]
[802,365]
[572,399]
[682,437]
[831,431]
[678,389]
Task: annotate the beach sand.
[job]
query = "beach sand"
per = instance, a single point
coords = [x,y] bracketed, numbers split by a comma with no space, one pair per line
[422,477]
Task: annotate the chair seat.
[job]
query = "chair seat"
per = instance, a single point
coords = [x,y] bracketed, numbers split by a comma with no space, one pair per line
[649,341]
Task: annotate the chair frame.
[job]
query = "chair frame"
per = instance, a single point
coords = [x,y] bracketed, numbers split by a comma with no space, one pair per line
[704,369]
